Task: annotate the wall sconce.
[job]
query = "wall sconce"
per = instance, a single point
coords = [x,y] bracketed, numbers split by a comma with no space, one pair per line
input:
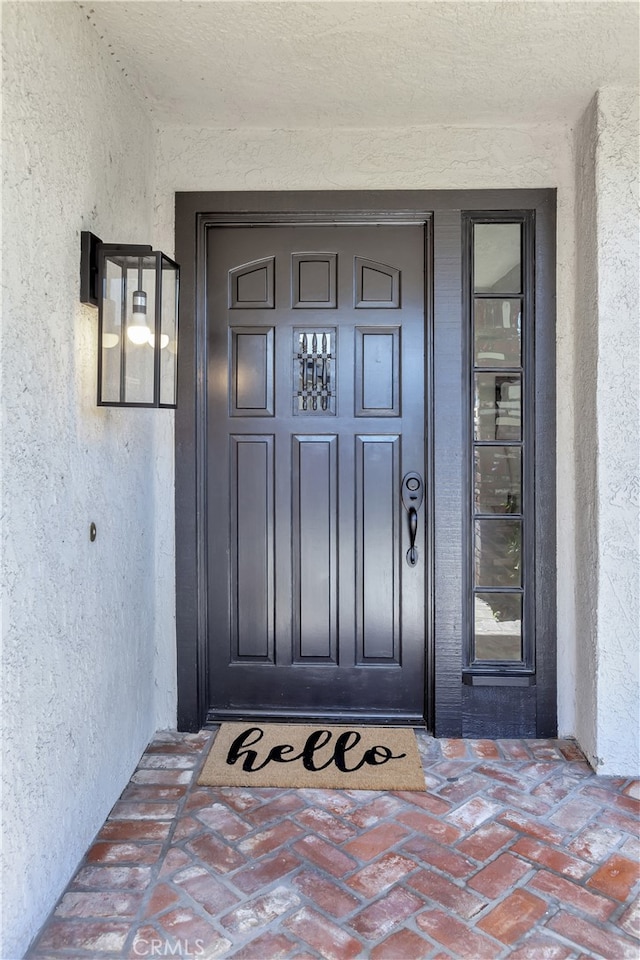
[135,289]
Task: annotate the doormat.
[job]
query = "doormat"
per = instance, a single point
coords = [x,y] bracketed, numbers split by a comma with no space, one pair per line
[319,756]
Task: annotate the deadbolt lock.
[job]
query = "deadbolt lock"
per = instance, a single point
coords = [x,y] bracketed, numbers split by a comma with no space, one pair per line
[412,491]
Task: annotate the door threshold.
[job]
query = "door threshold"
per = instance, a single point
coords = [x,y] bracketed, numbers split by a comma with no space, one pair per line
[215,717]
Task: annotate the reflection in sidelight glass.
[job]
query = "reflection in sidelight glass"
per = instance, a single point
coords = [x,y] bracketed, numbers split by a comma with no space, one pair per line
[497,478]
[497,407]
[497,258]
[498,626]
[497,553]
[497,332]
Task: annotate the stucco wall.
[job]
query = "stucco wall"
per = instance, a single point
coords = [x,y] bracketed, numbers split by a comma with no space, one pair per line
[607,391]
[80,620]
[413,158]
[586,487]
[618,434]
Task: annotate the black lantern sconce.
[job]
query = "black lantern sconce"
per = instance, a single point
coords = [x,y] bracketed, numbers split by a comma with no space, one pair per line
[135,289]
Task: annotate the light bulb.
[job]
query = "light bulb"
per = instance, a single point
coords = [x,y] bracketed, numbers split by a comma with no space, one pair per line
[164,340]
[138,331]
[110,340]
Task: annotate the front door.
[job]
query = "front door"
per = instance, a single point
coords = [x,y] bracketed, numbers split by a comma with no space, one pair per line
[315,470]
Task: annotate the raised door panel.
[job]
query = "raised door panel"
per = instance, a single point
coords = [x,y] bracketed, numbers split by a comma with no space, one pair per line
[377,548]
[315,540]
[377,372]
[313,281]
[251,378]
[252,547]
[376,285]
[252,285]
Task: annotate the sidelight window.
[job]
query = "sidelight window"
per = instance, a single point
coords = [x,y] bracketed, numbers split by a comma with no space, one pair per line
[499,313]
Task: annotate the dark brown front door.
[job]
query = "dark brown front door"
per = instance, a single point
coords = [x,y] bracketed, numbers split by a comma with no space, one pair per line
[315,467]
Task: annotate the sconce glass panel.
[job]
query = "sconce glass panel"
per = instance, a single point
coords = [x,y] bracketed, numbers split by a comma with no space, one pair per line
[138,329]
[111,333]
[139,346]
[169,334]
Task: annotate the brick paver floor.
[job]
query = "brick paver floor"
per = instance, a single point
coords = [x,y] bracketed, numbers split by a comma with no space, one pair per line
[516,850]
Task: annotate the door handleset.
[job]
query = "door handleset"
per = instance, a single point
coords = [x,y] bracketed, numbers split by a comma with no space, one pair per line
[412,496]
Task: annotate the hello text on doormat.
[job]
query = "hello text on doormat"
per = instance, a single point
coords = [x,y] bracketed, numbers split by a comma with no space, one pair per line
[324,757]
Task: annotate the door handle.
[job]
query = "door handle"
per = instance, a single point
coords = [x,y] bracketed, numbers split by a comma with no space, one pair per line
[412,553]
[412,496]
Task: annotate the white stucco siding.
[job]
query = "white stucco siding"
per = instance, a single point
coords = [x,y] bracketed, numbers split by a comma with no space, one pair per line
[607,390]
[79,619]
[585,587]
[618,431]
[412,158]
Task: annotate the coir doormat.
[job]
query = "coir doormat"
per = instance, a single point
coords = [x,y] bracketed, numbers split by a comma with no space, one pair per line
[320,756]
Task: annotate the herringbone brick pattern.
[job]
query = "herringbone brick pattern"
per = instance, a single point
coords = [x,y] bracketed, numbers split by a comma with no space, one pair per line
[516,850]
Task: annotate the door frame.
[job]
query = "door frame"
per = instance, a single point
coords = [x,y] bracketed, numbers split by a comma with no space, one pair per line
[440,211]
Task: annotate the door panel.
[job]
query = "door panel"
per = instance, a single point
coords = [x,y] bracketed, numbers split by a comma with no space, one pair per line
[315,340]
[252,547]
[252,372]
[314,541]
[377,547]
[251,285]
[377,372]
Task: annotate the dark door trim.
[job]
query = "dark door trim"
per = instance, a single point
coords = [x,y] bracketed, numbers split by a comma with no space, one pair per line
[441,210]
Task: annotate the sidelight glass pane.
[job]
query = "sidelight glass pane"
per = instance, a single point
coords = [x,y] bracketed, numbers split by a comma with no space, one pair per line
[497,333]
[497,406]
[497,476]
[498,626]
[497,553]
[496,258]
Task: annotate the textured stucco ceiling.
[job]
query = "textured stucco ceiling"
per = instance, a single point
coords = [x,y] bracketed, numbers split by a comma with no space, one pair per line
[368,64]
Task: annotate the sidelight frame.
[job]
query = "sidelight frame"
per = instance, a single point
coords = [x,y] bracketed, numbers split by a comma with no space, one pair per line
[516,672]
[451,707]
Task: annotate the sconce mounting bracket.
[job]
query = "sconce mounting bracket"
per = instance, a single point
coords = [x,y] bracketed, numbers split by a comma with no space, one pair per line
[90,247]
